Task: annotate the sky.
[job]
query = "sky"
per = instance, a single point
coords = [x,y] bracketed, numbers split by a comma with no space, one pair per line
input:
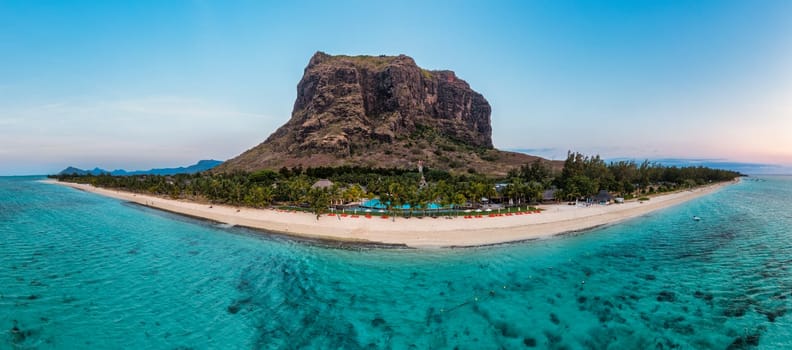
[143,84]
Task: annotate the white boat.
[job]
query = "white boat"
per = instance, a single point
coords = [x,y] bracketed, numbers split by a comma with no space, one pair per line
[696,218]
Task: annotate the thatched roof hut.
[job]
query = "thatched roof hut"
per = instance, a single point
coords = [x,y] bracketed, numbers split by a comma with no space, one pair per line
[322,183]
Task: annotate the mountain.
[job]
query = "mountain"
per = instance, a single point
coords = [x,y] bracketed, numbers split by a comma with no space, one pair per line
[381,111]
[76,171]
[202,165]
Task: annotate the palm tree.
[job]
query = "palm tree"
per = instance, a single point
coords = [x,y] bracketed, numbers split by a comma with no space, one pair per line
[411,197]
[297,189]
[318,199]
[535,191]
[259,196]
[335,194]
[396,191]
[479,190]
[385,197]
[425,196]
[459,200]
[353,193]
[513,190]
[444,193]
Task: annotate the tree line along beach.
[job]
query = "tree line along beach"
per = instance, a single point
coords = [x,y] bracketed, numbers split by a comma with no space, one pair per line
[509,215]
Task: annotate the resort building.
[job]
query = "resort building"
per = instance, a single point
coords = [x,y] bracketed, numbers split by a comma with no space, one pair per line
[603,197]
[549,195]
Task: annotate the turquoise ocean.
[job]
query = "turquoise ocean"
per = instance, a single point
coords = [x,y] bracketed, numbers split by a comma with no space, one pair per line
[81,271]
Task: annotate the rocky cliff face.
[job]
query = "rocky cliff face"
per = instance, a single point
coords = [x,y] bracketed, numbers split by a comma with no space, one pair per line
[382,111]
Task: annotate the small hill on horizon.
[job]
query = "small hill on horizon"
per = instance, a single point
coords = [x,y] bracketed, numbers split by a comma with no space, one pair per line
[202,165]
[382,112]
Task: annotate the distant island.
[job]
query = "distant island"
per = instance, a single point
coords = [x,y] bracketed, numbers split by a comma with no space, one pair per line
[202,165]
[377,137]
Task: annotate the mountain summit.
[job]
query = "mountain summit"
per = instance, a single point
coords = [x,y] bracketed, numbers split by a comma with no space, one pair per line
[381,111]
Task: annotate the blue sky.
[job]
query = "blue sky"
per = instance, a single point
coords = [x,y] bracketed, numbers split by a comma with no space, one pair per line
[142,84]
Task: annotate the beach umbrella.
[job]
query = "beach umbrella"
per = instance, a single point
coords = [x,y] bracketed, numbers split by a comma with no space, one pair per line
[478,210]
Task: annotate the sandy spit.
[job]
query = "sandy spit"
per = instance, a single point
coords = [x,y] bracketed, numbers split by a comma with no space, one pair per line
[414,232]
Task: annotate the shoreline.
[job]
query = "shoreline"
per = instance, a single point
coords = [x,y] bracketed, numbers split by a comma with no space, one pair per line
[555,219]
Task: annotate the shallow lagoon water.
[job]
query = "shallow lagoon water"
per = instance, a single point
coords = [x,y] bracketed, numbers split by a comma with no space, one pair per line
[79,270]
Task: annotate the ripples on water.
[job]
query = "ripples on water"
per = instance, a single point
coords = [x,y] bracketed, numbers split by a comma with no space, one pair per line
[82,271]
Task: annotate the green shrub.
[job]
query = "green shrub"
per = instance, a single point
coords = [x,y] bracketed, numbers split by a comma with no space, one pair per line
[489,157]
[426,74]
[447,148]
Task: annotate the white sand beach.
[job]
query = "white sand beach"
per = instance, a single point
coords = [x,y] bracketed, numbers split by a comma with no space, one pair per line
[416,232]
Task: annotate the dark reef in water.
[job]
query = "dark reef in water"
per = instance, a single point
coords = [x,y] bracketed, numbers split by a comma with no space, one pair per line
[377,322]
[21,336]
[667,296]
[745,342]
[529,342]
